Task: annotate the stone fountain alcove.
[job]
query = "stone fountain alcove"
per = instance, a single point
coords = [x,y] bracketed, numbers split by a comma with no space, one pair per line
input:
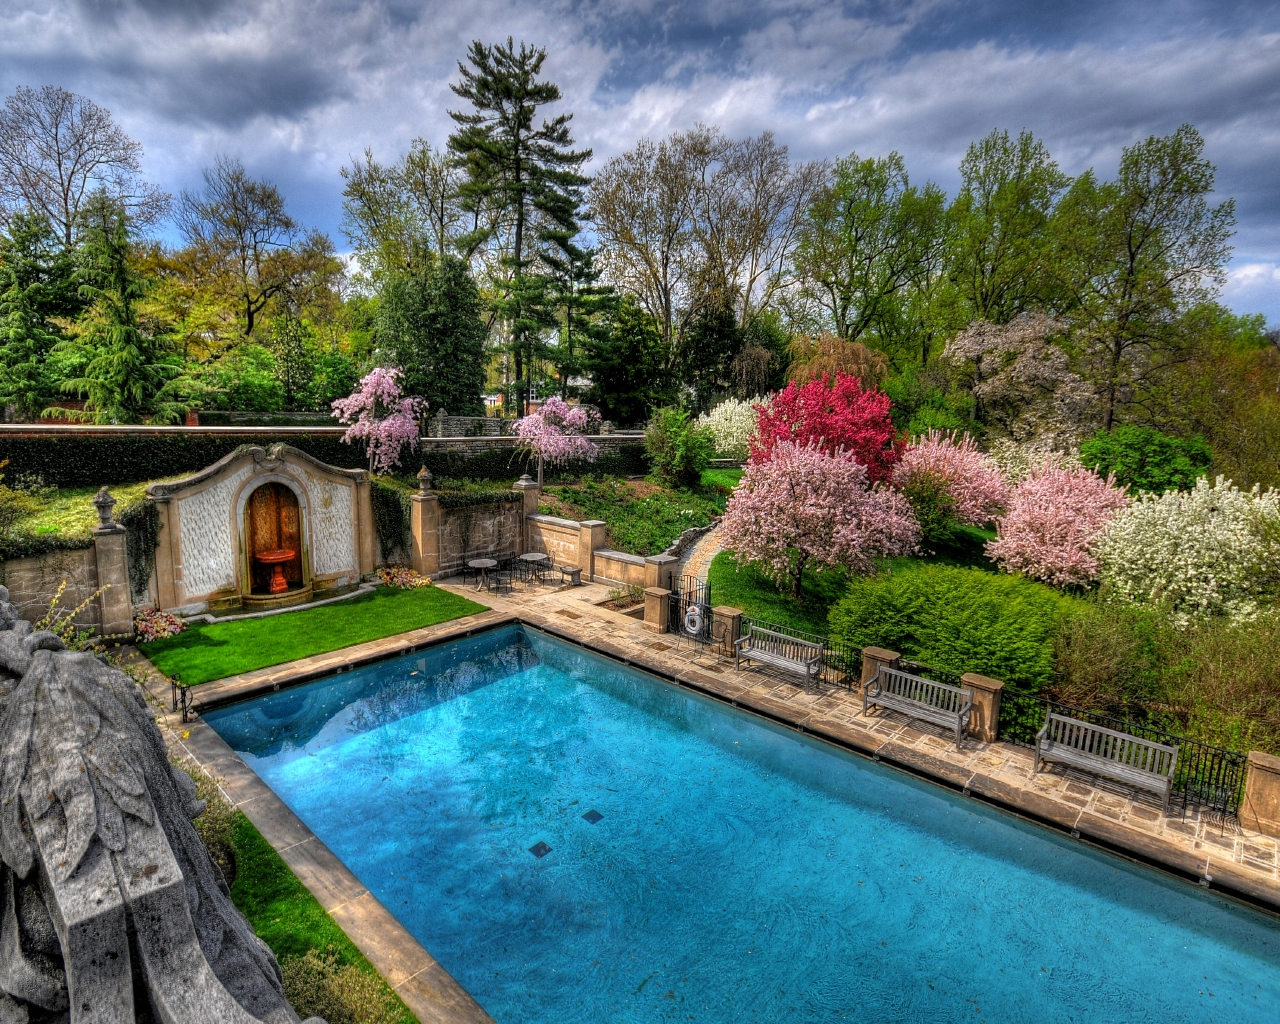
[260,528]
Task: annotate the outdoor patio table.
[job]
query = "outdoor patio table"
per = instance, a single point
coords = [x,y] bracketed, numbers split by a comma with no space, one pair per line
[482,565]
[535,561]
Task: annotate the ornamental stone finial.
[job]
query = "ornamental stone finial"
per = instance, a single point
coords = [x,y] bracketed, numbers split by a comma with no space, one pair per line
[104,503]
[424,480]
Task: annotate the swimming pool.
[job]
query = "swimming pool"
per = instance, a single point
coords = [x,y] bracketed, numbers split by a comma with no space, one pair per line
[706,865]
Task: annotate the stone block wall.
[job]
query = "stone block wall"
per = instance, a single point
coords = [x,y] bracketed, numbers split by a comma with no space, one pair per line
[467,426]
[618,568]
[557,538]
[33,582]
[478,531]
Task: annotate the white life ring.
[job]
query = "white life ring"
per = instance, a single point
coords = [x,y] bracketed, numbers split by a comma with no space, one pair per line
[693,620]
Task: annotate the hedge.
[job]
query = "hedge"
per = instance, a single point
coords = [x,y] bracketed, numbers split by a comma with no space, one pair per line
[83,460]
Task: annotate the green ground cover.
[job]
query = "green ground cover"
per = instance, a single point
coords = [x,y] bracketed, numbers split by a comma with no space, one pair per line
[213,650]
[69,511]
[644,518]
[747,588]
[721,478]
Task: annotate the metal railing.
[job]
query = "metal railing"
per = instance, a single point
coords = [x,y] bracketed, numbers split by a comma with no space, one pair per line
[1211,777]
[841,663]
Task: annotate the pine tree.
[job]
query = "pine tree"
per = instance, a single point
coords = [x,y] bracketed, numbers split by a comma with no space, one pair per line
[130,373]
[527,174]
[579,302]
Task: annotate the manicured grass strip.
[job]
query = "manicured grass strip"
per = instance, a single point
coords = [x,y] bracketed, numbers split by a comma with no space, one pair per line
[283,912]
[213,650]
[748,589]
[724,477]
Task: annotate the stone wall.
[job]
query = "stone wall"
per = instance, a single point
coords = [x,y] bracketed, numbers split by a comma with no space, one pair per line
[33,582]
[478,531]
[467,426]
[557,538]
[618,568]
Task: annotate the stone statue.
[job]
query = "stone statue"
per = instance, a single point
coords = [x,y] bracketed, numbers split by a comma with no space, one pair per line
[111,910]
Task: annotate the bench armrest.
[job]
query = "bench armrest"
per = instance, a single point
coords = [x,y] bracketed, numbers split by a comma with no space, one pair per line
[741,640]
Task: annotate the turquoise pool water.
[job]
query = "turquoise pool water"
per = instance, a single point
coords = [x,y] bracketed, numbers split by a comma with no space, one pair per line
[731,871]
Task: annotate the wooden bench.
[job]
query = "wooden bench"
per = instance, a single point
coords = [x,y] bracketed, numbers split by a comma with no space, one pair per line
[570,574]
[1141,763]
[789,653]
[930,701]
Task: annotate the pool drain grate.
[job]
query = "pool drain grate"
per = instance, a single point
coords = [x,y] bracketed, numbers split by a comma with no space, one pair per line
[540,849]
[592,816]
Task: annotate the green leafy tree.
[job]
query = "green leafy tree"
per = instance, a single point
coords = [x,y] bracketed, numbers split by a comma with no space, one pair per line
[293,346]
[336,377]
[580,302]
[706,354]
[678,446]
[626,360]
[1136,254]
[999,238]
[246,379]
[130,372]
[1146,460]
[527,172]
[37,284]
[433,330]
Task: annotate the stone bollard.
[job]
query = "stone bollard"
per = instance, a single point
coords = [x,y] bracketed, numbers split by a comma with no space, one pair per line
[112,555]
[872,659]
[726,626]
[984,719]
[1261,808]
[657,609]
[424,526]
[659,571]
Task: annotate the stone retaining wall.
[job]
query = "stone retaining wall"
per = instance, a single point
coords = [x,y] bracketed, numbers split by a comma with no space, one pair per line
[34,581]
[478,531]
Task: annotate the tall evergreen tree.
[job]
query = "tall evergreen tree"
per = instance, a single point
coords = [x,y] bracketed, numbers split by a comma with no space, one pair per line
[626,359]
[527,171]
[130,373]
[579,302]
[432,329]
[37,284]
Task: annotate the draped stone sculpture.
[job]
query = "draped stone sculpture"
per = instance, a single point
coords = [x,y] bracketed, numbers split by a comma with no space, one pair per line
[111,910]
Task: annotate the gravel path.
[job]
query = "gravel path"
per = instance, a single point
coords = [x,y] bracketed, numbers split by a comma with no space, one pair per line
[697,559]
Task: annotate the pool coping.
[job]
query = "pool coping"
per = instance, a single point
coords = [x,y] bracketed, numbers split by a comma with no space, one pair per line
[424,985]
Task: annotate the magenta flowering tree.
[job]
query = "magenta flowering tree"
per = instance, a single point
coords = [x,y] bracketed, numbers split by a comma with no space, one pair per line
[1056,517]
[555,433]
[949,481]
[381,417]
[801,506]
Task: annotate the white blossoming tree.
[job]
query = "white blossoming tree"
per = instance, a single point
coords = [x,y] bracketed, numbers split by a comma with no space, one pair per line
[1213,550]
[732,423]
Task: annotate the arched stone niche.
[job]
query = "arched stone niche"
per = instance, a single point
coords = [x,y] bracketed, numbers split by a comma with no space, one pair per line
[208,542]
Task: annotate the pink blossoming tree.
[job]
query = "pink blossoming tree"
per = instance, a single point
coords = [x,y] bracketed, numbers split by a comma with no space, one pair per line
[555,433]
[1056,516]
[948,482]
[381,417]
[802,506]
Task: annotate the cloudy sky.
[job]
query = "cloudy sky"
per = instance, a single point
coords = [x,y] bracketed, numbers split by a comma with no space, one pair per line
[295,88]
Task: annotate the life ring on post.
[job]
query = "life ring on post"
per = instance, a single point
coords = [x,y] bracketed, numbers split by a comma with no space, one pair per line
[693,620]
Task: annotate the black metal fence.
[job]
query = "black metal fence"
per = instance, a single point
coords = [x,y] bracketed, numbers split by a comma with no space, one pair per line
[1209,776]
[691,610]
[841,663]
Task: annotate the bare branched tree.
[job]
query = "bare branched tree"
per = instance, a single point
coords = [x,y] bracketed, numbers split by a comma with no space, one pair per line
[57,149]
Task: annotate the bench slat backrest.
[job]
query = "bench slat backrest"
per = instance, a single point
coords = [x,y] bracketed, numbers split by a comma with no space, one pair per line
[1110,745]
[923,691]
[784,646]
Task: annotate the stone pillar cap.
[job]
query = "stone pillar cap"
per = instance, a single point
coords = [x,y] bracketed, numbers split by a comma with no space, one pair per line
[725,611]
[657,592]
[880,654]
[1267,762]
[981,682]
[661,559]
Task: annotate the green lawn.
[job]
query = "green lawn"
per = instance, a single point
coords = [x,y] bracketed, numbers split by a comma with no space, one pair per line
[748,589]
[721,477]
[213,650]
[287,917]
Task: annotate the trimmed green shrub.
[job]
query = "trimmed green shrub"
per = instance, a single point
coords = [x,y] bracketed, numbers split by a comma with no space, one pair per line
[1146,460]
[958,620]
[678,447]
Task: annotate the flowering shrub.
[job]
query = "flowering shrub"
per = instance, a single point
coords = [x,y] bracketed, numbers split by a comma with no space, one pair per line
[1212,550]
[555,433]
[1055,516]
[950,481]
[732,424]
[802,506]
[402,577]
[835,415]
[380,417]
[1017,459]
[153,624]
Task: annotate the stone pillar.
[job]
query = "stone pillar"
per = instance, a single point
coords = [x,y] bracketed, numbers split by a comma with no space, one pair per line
[113,570]
[529,492]
[660,571]
[872,659]
[726,623]
[593,534]
[167,565]
[657,609]
[424,526]
[367,537]
[1261,808]
[984,720]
